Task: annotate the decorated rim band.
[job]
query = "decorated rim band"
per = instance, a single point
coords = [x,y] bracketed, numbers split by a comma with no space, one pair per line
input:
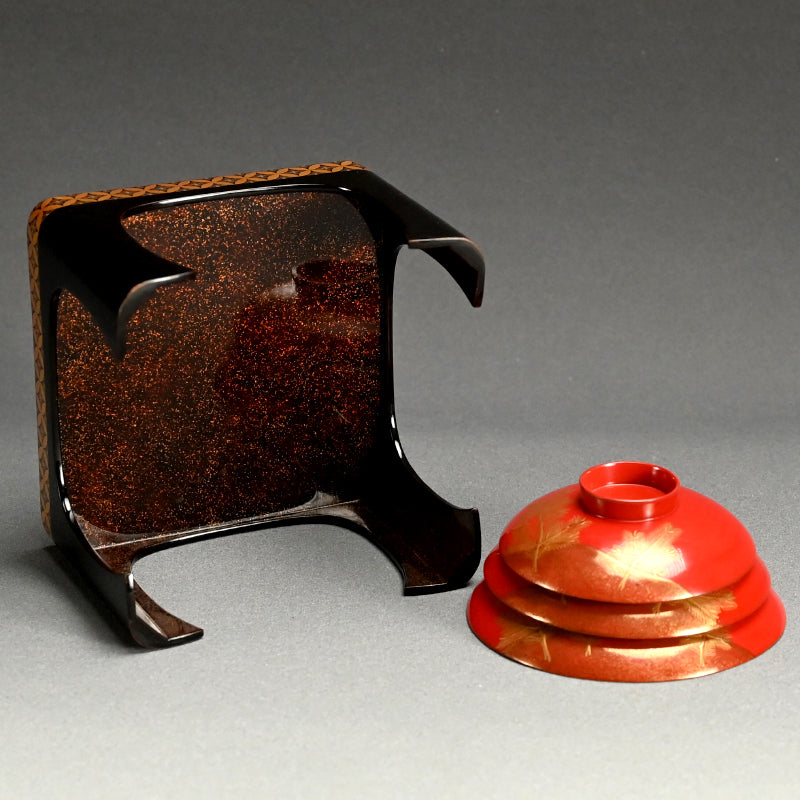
[552,649]
[684,617]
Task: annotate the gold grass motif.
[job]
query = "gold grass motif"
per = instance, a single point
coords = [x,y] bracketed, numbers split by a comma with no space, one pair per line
[644,556]
[554,533]
[517,636]
[709,642]
[706,608]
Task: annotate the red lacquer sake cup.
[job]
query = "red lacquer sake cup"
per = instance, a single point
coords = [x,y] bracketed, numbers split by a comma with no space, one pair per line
[626,576]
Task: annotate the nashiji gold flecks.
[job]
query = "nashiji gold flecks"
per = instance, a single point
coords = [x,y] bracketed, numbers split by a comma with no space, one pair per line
[41,211]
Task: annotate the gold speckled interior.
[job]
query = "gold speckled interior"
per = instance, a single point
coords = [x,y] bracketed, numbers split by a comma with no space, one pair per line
[243,391]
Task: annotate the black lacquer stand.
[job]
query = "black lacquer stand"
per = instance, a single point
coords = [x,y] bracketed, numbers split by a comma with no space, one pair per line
[91,275]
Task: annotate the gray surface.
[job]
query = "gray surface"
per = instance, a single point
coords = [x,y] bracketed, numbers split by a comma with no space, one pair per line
[631,171]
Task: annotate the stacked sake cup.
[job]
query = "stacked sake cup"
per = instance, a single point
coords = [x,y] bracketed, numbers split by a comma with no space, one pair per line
[626,576]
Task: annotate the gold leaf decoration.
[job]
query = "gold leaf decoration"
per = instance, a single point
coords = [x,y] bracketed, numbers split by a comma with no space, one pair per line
[554,533]
[516,636]
[555,536]
[711,641]
[707,608]
[644,556]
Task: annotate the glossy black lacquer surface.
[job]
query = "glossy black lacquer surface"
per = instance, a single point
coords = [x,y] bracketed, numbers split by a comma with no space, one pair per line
[217,359]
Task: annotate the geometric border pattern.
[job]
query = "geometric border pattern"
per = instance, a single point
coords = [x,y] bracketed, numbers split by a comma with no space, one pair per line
[51,204]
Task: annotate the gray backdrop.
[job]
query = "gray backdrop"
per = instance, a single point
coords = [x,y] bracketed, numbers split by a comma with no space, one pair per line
[631,171]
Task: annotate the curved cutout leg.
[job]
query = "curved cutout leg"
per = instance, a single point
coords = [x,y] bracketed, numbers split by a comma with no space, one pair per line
[152,626]
[148,624]
[435,545]
[435,549]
